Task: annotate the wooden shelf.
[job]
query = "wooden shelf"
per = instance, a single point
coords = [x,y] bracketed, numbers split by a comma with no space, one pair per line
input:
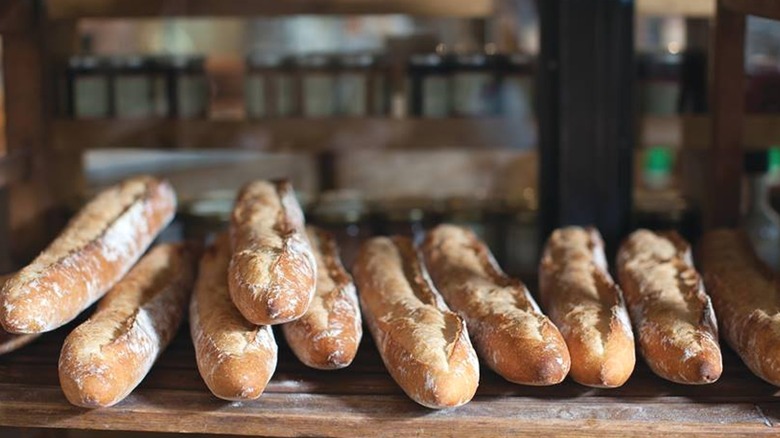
[687,8]
[759,132]
[304,135]
[363,400]
[761,8]
[75,9]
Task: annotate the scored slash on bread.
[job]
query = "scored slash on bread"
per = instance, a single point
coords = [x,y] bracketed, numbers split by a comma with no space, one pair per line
[746,298]
[424,345]
[106,357]
[235,358]
[327,336]
[272,273]
[586,305]
[672,314]
[98,246]
[509,331]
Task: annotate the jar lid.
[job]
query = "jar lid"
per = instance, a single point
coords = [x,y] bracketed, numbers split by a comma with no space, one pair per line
[259,59]
[357,60]
[313,60]
[86,62]
[426,59]
[471,59]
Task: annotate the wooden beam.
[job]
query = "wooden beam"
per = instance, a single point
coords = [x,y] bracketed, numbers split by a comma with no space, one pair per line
[761,131]
[727,94]
[16,15]
[687,8]
[74,9]
[761,8]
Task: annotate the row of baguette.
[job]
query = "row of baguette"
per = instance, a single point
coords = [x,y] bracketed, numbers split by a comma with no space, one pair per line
[423,304]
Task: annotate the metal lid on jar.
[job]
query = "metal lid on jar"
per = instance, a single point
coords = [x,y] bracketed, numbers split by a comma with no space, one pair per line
[260,59]
[314,60]
[357,60]
[426,60]
[191,63]
[86,62]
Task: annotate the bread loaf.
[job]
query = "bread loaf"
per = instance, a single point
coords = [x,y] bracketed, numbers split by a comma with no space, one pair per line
[328,335]
[99,245]
[671,312]
[580,297]
[509,331]
[235,357]
[107,356]
[272,272]
[425,346]
[746,299]
[9,341]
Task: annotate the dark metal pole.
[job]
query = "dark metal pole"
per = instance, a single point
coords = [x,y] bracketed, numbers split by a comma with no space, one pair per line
[586,108]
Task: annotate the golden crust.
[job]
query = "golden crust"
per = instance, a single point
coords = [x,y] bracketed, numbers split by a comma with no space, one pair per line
[509,331]
[107,356]
[235,357]
[745,296]
[424,345]
[672,314]
[327,336]
[580,297]
[272,273]
[99,245]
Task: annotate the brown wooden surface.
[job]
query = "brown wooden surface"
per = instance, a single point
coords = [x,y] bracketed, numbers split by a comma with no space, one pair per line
[727,94]
[760,131]
[16,15]
[292,134]
[362,400]
[669,8]
[73,9]
[762,8]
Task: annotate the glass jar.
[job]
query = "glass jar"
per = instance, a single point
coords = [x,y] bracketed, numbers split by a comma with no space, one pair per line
[659,78]
[261,88]
[317,80]
[133,87]
[189,85]
[474,85]
[353,84]
[429,85]
[517,86]
[88,87]
[344,214]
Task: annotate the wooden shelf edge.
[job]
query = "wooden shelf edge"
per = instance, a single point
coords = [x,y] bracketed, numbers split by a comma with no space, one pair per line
[75,9]
[687,8]
[761,8]
[296,135]
[760,132]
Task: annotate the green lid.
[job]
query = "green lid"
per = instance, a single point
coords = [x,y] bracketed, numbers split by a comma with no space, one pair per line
[658,159]
[773,157]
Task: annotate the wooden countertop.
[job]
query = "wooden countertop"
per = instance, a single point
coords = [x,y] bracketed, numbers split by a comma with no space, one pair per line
[363,401]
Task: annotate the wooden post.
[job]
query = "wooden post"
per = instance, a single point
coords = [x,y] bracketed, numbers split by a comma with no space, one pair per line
[727,94]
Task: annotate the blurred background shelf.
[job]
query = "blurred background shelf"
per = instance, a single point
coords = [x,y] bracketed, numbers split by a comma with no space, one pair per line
[687,8]
[296,134]
[75,9]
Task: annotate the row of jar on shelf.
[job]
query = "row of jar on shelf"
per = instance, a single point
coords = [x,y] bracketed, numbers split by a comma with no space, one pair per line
[315,85]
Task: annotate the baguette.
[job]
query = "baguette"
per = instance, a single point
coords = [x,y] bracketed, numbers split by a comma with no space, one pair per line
[509,331]
[94,251]
[580,297]
[9,341]
[328,335]
[424,345]
[107,356]
[235,357]
[745,296]
[672,314]
[272,272]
